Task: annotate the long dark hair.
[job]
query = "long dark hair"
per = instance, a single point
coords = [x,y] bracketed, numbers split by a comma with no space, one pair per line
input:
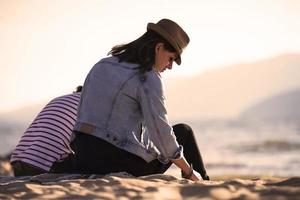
[141,51]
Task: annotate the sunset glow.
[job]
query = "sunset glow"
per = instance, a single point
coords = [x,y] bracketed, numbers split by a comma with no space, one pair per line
[48,47]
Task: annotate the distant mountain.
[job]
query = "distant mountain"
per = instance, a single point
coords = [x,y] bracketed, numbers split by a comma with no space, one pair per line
[24,115]
[284,107]
[227,91]
[217,94]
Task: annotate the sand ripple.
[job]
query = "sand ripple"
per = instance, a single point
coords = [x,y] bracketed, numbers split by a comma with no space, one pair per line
[124,186]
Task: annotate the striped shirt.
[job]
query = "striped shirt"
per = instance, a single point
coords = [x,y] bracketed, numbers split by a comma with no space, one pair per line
[48,138]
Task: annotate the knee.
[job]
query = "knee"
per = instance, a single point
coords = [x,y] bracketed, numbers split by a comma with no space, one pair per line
[183,129]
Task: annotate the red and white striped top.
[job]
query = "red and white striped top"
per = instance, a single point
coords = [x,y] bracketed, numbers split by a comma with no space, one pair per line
[48,138]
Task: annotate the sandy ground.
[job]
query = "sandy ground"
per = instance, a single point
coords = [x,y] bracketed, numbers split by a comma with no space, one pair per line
[124,186]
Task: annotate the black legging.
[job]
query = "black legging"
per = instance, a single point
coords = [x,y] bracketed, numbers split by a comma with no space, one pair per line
[96,156]
[185,137]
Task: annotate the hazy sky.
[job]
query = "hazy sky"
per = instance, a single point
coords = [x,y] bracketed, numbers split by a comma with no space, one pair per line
[48,46]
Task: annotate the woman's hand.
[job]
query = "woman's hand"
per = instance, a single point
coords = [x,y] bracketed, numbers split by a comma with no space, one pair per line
[186,170]
[195,176]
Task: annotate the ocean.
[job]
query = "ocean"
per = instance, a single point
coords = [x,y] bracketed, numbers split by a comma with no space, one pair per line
[230,147]
[249,148]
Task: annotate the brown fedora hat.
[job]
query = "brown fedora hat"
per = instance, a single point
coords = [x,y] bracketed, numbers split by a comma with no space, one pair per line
[173,33]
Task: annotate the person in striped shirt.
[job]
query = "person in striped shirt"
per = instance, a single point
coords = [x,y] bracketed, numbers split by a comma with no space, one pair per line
[45,145]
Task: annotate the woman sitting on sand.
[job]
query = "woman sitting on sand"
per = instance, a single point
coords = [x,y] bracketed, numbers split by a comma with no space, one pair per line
[122,122]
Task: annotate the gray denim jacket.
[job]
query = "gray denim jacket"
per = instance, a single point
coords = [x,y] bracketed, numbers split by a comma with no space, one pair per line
[127,109]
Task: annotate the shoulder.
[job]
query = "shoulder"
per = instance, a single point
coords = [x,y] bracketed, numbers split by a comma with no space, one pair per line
[67,99]
[152,79]
[114,61]
[68,96]
[110,59]
[152,76]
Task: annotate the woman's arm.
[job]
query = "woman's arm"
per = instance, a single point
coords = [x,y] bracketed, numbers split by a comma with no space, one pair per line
[185,168]
[152,103]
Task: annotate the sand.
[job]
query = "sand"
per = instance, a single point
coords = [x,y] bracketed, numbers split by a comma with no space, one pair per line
[125,186]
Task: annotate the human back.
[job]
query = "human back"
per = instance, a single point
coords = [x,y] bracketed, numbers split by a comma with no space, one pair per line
[108,78]
[114,111]
[47,139]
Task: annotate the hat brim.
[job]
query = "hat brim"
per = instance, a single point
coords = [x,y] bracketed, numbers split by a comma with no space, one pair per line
[178,60]
[166,36]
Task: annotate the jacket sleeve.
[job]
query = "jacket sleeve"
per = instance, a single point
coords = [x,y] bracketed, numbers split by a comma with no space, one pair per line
[152,102]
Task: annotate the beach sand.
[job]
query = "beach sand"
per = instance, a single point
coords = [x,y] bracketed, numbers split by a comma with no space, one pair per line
[124,186]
